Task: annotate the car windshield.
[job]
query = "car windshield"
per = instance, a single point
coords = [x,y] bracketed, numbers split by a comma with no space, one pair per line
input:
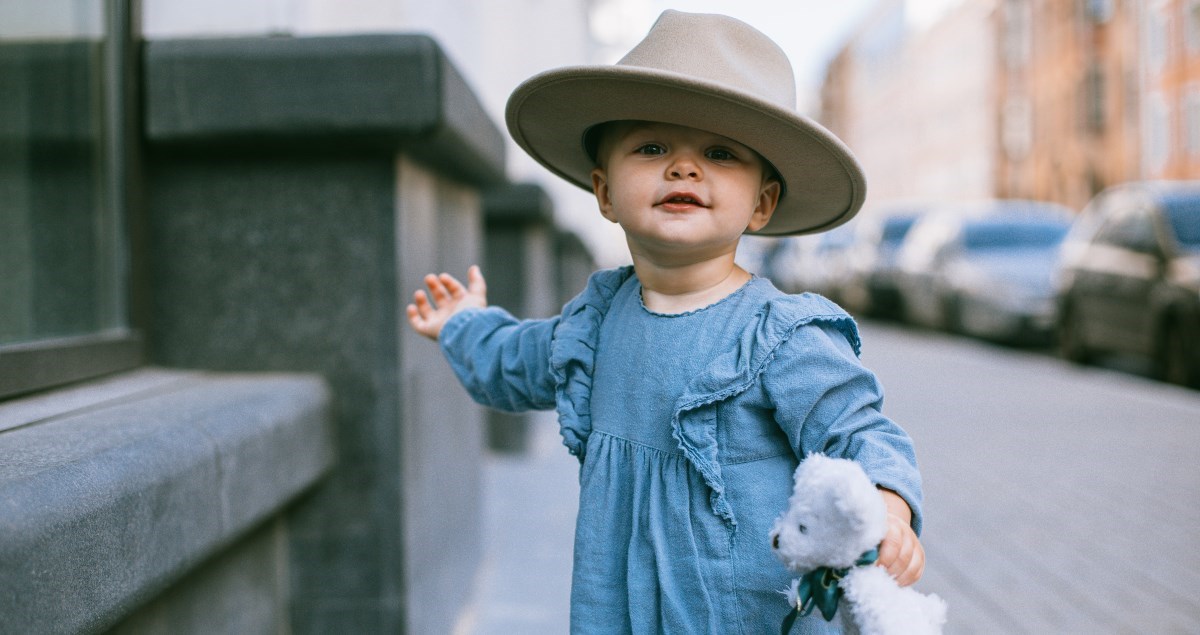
[1000,234]
[1183,214]
[894,229]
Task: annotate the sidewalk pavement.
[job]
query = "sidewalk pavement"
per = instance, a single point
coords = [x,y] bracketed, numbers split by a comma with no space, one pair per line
[530,501]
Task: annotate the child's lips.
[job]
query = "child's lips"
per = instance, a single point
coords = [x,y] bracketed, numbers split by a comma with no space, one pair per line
[681,201]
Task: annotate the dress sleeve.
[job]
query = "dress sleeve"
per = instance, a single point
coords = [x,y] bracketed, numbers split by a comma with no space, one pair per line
[503,363]
[826,401]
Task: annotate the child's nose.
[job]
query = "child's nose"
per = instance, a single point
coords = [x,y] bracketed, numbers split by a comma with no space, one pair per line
[685,166]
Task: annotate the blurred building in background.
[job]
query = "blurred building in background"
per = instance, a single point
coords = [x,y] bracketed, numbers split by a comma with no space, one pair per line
[1047,100]
[918,107]
[1170,86]
[1068,91]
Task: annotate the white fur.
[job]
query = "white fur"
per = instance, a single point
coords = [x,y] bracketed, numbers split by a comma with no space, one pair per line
[843,516]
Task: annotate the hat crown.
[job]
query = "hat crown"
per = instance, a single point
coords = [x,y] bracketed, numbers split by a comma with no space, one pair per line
[720,50]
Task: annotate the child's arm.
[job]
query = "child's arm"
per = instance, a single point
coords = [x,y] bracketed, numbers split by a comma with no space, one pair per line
[842,419]
[449,296]
[501,361]
[901,552]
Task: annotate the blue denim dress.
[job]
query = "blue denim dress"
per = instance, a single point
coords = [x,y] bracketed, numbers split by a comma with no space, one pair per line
[688,428]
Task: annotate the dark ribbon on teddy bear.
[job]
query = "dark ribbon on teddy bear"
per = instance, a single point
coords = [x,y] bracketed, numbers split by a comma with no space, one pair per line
[819,589]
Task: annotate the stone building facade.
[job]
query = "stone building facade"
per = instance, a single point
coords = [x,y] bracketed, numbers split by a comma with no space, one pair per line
[1068,96]
[1170,54]
[1051,100]
[918,108]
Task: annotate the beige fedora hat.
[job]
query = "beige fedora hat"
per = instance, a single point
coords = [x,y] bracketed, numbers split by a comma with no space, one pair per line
[704,71]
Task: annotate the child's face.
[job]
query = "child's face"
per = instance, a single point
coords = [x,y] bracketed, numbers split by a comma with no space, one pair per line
[680,192]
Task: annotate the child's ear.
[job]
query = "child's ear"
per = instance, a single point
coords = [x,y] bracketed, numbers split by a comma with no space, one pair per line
[768,199]
[603,196]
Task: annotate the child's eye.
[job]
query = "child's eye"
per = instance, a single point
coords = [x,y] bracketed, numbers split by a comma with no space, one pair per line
[650,148]
[720,154]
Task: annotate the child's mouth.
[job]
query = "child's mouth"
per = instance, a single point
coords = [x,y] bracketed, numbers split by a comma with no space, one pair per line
[681,200]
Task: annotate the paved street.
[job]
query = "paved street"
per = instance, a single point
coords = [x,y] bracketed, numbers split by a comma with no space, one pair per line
[1059,499]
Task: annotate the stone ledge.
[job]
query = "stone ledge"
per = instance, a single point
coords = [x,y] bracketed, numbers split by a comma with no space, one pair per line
[518,204]
[385,91]
[104,506]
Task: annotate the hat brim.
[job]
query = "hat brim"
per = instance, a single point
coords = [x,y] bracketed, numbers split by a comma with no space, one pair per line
[549,114]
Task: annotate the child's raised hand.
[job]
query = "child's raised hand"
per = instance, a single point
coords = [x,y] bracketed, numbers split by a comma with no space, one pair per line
[900,552]
[429,312]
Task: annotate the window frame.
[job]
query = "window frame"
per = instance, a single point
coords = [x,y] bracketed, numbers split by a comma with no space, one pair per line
[27,367]
[1191,25]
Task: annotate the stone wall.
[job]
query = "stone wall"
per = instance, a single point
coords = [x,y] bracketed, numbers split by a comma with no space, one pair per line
[293,458]
[298,189]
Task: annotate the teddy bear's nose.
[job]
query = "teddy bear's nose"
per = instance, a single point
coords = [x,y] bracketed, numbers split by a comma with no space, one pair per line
[775,541]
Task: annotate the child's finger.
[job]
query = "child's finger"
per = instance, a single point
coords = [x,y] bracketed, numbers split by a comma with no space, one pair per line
[421,325]
[900,564]
[910,567]
[900,553]
[916,569]
[891,549]
[422,305]
[475,282]
[436,289]
[453,286]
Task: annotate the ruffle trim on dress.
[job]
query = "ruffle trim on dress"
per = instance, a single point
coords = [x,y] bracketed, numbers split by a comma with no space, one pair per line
[695,426]
[573,355]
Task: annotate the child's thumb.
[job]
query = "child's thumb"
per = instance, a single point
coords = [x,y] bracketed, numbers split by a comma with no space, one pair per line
[475,282]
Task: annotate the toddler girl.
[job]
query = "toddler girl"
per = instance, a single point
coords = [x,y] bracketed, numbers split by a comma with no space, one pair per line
[688,388]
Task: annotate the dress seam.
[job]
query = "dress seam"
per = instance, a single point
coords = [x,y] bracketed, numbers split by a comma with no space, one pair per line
[757,458]
[640,444]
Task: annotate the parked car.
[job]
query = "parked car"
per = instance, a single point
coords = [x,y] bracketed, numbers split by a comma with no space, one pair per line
[870,281]
[1129,281]
[754,254]
[984,268]
[814,264]
[1001,282]
[788,264]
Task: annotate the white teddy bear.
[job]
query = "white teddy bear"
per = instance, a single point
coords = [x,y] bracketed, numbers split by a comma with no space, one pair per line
[830,533]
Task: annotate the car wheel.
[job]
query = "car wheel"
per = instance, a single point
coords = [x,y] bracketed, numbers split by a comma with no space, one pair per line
[1177,356]
[1070,338]
[952,314]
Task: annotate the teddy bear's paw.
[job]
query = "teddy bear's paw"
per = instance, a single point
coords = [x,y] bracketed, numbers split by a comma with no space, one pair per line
[881,607]
[935,611]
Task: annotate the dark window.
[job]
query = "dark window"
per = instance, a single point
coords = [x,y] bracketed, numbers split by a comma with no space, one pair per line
[1095,110]
[1006,235]
[1097,11]
[63,250]
[1183,218]
[895,228]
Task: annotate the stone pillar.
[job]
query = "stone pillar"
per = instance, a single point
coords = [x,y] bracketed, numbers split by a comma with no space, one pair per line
[521,272]
[297,191]
[575,264]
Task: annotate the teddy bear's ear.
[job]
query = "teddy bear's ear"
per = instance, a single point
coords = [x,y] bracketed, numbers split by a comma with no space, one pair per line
[805,472]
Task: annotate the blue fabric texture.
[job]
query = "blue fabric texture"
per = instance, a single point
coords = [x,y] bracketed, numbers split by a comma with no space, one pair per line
[688,428]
